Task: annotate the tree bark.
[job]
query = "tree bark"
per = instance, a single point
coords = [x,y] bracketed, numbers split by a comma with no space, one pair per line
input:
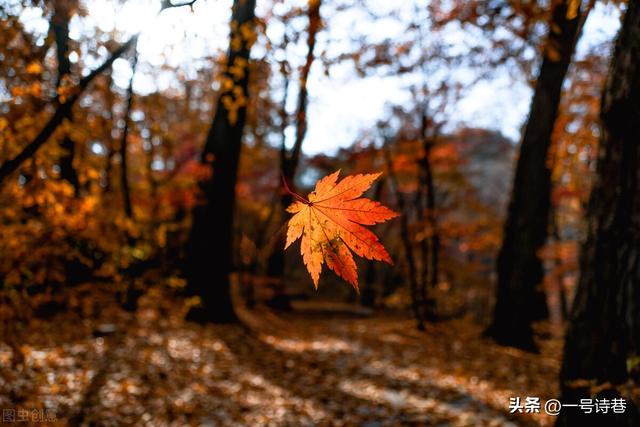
[124,178]
[108,137]
[276,261]
[210,247]
[557,261]
[368,294]
[433,220]
[60,25]
[416,301]
[603,338]
[426,205]
[519,299]
[289,161]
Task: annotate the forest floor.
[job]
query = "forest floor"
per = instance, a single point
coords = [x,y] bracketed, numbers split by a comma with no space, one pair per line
[109,367]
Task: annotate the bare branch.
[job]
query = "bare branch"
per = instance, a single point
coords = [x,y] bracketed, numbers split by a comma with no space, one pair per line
[166,4]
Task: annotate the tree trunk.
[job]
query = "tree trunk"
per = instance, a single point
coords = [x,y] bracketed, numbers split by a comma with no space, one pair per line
[289,161]
[519,299]
[433,220]
[60,26]
[368,294]
[427,305]
[276,262]
[405,237]
[557,261]
[124,178]
[210,246]
[603,338]
[108,137]
[426,205]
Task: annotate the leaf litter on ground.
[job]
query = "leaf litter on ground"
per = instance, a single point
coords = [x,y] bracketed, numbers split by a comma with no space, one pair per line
[155,369]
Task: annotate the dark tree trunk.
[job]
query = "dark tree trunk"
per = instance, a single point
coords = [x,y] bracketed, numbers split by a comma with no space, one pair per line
[557,261]
[433,220]
[210,246]
[124,178]
[434,238]
[519,299]
[108,137]
[405,237]
[289,160]
[60,25]
[426,206]
[603,338]
[427,305]
[368,294]
[276,262]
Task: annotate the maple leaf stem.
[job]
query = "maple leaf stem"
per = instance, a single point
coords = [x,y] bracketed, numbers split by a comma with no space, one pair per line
[288,190]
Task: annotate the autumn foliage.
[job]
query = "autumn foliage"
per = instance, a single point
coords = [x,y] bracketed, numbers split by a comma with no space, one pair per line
[469,168]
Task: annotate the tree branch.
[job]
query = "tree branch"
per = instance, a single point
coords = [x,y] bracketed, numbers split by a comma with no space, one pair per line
[62,111]
[166,4]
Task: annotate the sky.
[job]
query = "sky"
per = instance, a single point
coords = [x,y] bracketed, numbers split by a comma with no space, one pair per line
[341,106]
